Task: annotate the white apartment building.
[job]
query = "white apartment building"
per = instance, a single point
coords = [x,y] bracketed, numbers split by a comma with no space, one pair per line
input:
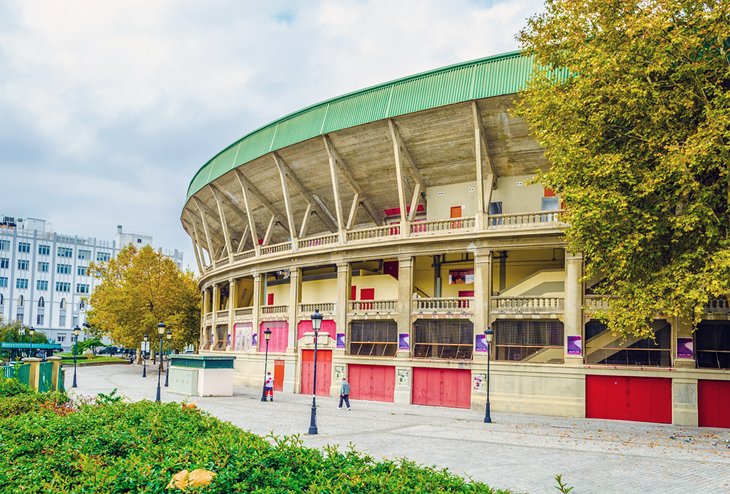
[44,279]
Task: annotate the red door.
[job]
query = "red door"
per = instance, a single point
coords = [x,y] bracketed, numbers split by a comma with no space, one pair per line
[367,294]
[324,372]
[278,375]
[713,403]
[442,387]
[269,299]
[640,399]
[371,382]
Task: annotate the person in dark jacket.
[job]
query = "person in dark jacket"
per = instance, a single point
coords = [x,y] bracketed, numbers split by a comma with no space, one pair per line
[344,393]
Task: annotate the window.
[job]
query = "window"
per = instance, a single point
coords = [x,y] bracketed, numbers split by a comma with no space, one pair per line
[82,305]
[3,281]
[712,341]
[44,250]
[65,252]
[62,286]
[4,262]
[528,341]
[63,268]
[23,247]
[4,244]
[82,288]
[41,303]
[60,338]
[21,283]
[62,319]
[609,350]
[43,267]
[39,319]
[41,285]
[447,339]
[102,256]
[81,270]
[84,255]
[23,264]
[374,338]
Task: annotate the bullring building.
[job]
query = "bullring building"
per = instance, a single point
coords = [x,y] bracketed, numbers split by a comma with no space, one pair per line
[409,216]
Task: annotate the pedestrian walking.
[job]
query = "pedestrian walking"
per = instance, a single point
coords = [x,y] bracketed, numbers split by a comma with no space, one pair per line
[344,393]
[269,385]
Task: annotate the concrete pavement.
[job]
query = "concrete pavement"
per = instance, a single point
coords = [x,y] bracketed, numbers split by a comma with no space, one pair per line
[518,452]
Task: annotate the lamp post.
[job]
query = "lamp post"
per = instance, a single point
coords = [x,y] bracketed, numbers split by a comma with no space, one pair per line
[77,332]
[267,337]
[144,359]
[32,332]
[316,324]
[160,331]
[489,334]
[167,373]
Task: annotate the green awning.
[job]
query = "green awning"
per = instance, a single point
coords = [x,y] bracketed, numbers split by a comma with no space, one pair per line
[36,346]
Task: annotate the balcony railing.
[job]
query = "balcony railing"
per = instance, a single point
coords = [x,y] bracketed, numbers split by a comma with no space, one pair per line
[221,314]
[527,305]
[274,309]
[718,306]
[372,306]
[444,305]
[521,220]
[248,254]
[595,303]
[373,233]
[318,241]
[442,226]
[325,308]
[244,312]
[276,248]
[208,317]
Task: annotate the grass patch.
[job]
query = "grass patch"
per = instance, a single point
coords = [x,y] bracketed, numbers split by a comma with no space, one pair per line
[91,360]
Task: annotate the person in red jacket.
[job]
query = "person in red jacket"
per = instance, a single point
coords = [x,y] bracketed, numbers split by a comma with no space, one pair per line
[269,385]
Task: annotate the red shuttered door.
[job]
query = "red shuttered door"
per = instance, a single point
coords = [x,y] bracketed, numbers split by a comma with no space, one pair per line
[442,387]
[713,403]
[278,375]
[324,372]
[640,399]
[371,382]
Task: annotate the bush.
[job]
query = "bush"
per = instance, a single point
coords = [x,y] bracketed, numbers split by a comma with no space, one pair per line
[12,387]
[137,447]
[33,402]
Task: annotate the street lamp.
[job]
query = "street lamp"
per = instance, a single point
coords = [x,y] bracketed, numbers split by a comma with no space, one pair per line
[489,333]
[144,358]
[32,332]
[77,332]
[167,374]
[160,331]
[267,337]
[316,324]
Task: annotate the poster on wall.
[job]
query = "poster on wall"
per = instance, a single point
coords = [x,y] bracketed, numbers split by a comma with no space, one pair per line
[254,339]
[404,341]
[685,348]
[575,345]
[461,276]
[340,340]
[480,343]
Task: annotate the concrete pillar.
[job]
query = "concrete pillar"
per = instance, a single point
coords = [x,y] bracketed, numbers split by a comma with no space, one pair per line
[684,402]
[214,319]
[403,385]
[482,289]
[256,311]
[344,281]
[682,343]
[294,297]
[573,311]
[405,303]
[232,295]
[56,361]
[35,363]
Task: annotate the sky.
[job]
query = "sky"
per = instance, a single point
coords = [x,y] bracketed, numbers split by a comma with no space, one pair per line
[108,108]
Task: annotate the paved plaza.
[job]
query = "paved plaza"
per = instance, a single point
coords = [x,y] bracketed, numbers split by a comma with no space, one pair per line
[518,452]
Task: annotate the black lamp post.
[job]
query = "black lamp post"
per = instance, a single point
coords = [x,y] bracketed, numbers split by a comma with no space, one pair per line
[489,333]
[144,358]
[167,373]
[316,324]
[77,332]
[267,337]
[32,332]
[161,331]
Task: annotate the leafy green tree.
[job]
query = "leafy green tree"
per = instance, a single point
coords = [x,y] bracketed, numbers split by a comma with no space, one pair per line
[631,103]
[92,343]
[17,332]
[140,288]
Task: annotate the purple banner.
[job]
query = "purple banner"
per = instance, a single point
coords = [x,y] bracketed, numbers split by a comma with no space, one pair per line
[480,343]
[685,348]
[340,340]
[404,341]
[575,345]
[254,339]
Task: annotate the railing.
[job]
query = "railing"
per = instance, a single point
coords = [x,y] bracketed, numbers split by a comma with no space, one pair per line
[221,314]
[371,306]
[208,317]
[323,307]
[527,305]
[518,220]
[318,241]
[244,311]
[442,226]
[274,309]
[595,303]
[223,261]
[248,254]
[442,304]
[717,306]
[373,233]
[276,248]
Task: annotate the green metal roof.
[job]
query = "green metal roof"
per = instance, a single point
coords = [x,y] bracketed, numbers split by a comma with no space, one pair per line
[492,76]
[37,346]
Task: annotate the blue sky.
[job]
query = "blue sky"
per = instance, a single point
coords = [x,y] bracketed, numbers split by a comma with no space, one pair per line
[107,109]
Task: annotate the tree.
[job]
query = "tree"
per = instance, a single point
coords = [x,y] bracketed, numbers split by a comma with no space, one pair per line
[630,101]
[139,289]
[17,332]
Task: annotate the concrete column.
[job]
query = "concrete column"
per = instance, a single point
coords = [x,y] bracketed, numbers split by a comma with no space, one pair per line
[344,281]
[35,363]
[294,297]
[215,293]
[573,315]
[232,296]
[482,289]
[256,311]
[56,361]
[684,402]
[682,334]
[405,302]
[403,385]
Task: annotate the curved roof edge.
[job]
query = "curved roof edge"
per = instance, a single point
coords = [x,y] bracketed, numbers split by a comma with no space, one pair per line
[496,75]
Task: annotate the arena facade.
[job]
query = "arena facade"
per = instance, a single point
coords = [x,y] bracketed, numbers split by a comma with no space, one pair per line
[409,216]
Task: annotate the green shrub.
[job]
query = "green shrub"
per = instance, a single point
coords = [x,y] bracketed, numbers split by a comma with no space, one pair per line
[137,447]
[12,387]
[33,402]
